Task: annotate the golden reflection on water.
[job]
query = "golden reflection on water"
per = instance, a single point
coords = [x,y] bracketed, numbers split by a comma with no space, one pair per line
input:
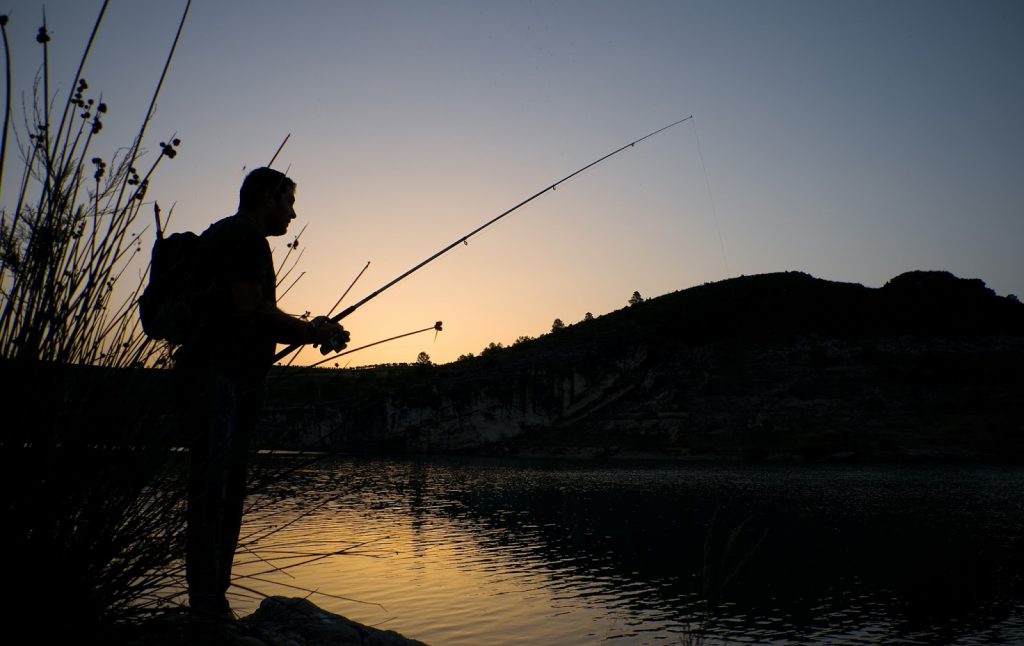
[505,552]
[426,576]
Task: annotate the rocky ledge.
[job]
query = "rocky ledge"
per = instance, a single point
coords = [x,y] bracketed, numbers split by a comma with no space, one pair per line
[279,621]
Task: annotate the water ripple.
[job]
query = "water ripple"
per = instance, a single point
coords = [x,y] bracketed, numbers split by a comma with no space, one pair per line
[472,552]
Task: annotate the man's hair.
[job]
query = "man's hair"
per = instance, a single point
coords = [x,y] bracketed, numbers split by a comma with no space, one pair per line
[260,184]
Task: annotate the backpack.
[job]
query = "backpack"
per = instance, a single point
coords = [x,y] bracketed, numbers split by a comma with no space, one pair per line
[169,306]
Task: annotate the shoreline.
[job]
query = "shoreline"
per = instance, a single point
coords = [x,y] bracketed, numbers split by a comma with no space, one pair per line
[278,620]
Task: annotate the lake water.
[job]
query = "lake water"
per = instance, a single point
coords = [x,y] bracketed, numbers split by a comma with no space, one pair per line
[475,551]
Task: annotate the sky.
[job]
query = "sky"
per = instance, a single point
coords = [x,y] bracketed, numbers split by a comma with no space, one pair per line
[850,140]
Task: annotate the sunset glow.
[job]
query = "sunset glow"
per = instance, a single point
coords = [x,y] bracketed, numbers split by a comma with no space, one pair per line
[853,141]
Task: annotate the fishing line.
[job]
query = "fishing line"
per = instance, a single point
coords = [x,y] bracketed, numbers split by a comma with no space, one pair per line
[714,211]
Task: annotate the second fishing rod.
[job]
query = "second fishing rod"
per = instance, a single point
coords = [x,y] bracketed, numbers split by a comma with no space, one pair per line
[462,240]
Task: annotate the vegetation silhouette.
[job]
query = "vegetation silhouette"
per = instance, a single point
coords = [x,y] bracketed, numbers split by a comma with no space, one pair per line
[774,366]
[91,479]
[89,497]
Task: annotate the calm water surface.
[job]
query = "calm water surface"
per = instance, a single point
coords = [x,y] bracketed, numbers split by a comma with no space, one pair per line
[476,552]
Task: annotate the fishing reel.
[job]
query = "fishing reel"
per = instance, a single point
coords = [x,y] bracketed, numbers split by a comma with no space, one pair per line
[337,342]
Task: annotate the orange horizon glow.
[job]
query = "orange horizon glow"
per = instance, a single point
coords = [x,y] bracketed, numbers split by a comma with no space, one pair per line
[824,140]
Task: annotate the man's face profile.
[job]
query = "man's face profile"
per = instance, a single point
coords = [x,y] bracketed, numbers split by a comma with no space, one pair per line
[280,212]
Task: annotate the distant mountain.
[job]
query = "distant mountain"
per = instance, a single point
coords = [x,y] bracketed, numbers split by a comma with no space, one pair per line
[775,366]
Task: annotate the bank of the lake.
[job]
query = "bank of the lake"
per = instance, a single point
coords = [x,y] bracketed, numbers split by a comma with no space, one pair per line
[779,367]
[279,621]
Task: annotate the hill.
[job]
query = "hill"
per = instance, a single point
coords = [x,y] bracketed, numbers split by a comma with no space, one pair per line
[773,366]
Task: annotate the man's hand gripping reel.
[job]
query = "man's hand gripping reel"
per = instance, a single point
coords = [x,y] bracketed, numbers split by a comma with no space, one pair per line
[336,342]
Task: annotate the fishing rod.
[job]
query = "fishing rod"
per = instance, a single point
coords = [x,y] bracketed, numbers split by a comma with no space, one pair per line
[436,327]
[464,239]
[335,306]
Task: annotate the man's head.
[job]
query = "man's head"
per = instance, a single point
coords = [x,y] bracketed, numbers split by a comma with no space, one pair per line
[268,197]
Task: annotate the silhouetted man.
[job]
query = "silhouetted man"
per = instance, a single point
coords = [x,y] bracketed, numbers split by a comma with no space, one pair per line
[224,369]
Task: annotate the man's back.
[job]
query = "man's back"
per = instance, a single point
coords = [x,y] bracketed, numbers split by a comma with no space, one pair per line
[233,251]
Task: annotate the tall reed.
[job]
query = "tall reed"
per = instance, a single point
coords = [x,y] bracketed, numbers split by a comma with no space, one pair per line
[90,501]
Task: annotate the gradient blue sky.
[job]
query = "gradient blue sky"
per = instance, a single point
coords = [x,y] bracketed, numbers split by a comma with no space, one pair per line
[850,140]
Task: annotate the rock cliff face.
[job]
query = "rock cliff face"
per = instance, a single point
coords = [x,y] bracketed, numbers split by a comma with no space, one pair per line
[778,366]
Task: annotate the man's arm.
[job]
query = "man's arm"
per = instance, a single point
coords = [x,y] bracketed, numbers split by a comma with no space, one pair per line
[247,301]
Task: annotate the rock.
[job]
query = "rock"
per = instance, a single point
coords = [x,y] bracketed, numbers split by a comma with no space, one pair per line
[287,621]
[279,621]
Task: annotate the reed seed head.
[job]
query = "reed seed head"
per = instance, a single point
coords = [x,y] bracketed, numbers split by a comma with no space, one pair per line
[168,149]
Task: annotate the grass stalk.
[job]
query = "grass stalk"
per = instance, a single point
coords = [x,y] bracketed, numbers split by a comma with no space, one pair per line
[90,494]
[7,105]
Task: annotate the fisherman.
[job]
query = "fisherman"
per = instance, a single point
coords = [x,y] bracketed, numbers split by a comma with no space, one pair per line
[223,369]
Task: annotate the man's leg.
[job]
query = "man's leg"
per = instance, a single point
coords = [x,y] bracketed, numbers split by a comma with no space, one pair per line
[208,498]
[249,400]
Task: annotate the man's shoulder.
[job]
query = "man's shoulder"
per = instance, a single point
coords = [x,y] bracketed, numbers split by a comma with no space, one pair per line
[233,226]
[236,242]
[234,234]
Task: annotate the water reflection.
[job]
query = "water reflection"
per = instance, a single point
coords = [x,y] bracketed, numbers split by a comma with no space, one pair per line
[478,551]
